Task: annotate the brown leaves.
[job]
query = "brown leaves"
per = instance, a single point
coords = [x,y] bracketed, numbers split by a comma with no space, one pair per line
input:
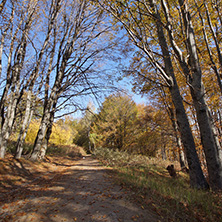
[19,214]
[135,218]
[5,207]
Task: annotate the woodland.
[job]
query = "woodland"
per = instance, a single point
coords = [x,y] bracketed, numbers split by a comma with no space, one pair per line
[56,54]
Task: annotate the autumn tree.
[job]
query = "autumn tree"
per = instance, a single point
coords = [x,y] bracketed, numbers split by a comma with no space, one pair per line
[113,126]
[63,131]
[19,19]
[193,71]
[79,34]
[82,137]
[141,19]
[153,133]
[138,129]
[146,83]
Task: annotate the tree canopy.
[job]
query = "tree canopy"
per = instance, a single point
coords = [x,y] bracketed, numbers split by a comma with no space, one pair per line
[54,53]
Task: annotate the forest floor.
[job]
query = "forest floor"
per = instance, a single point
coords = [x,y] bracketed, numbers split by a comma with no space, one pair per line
[66,189]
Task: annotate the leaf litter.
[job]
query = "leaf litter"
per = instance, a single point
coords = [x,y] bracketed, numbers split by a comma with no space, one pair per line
[66,189]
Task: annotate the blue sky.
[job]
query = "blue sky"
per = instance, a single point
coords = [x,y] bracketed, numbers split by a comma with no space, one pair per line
[125,84]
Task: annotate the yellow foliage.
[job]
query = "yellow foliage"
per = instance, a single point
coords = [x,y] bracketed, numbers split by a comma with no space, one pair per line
[61,135]
[32,131]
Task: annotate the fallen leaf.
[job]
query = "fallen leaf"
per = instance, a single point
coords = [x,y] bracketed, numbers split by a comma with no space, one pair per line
[20,214]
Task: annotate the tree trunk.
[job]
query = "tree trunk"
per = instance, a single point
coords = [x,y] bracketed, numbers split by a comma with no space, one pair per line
[8,123]
[25,123]
[163,152]
[36,153]
[47,137]
[209,141]
[45,129]
[20,144]
[48,133]
[182,156]
[197,179]
[2,5]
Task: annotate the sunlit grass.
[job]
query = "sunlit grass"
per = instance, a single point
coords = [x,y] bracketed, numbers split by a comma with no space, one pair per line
[171,197]
[69,150]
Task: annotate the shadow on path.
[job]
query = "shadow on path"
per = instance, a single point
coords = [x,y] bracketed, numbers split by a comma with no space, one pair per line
[83,192]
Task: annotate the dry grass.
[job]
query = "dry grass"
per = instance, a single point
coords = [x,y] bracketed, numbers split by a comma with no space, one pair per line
[171,198]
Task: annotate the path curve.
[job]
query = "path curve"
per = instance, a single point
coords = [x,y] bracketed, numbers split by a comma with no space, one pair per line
[82,192]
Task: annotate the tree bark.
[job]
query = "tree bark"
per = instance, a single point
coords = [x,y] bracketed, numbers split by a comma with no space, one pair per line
[182,156]
[19,144]
[36,153]
[197,179]
[2,5]
[47,136]
[209,141]
[13,89]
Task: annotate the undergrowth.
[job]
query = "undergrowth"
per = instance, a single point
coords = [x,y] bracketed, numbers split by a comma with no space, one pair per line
[171,198]
[62,150]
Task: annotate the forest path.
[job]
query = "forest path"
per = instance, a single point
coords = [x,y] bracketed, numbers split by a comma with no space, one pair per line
[81,191]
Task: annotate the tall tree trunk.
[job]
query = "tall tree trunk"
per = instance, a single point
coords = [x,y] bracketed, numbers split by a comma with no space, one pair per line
[209,141]
[36,153]
[44,132]
[48,133]
[47,137]
[193,73]
[24,128]
[197,178]
[182,156]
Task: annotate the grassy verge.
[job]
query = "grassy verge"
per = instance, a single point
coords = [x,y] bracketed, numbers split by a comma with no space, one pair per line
[171,198]
[61,150]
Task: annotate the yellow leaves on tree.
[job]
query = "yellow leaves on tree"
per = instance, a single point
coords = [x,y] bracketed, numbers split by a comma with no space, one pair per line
[61,135]
[62,132]
[32,131]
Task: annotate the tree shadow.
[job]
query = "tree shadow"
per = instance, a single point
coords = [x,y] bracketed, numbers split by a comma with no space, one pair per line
[82,195]
[13,171]
[57,163]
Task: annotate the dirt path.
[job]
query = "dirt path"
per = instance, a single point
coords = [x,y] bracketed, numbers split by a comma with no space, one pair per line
[83,191]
